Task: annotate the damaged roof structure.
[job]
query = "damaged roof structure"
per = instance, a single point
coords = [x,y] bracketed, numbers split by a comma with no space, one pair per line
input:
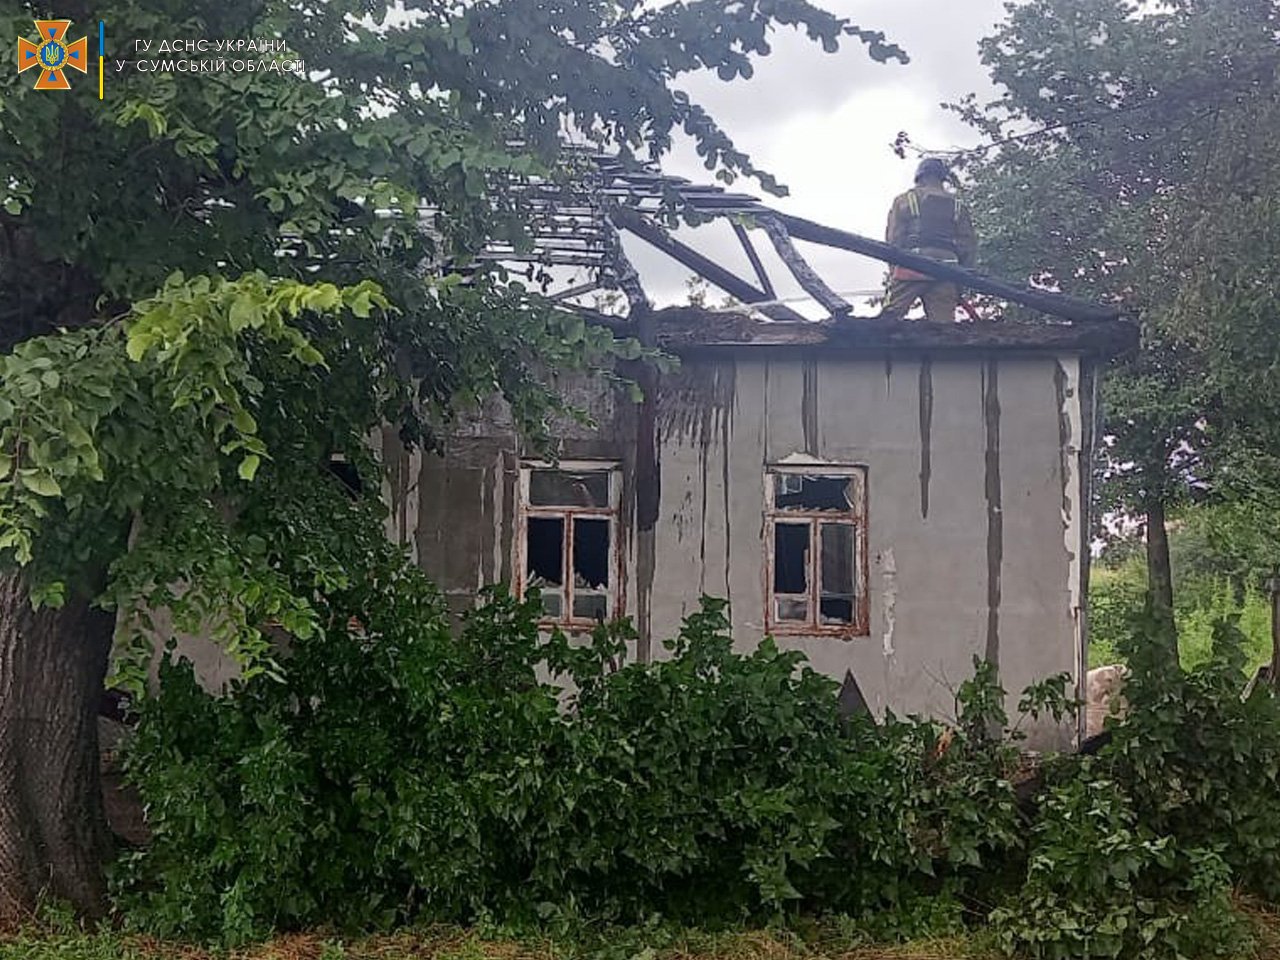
[893,498]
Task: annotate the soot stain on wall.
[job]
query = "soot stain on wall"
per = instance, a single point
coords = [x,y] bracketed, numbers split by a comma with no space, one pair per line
[726,437]
[1064,438]
[809,407]
[926,433]
[995,519]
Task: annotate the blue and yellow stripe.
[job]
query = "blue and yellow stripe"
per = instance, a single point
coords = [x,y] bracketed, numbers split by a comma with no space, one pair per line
[102,34]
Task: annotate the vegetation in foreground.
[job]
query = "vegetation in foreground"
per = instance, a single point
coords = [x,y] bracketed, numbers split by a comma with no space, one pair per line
[394,773]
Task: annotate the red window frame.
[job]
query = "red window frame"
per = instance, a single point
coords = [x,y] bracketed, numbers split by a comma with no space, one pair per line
[856,518]
[568,514]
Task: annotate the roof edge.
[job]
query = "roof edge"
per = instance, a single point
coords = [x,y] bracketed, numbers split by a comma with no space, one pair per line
[693,329]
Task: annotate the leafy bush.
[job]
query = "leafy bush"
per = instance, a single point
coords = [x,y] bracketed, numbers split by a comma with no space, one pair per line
[1100,884]
[1134,854]
[399,772]
[1203,764]
[1215,604]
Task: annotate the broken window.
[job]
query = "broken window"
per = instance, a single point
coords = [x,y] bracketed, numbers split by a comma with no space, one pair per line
[569,541]
[817,547]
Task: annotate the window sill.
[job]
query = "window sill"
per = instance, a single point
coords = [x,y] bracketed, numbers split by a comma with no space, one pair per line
[842,632]
[570,626]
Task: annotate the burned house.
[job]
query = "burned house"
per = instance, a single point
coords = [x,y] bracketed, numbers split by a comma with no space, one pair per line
[891,498]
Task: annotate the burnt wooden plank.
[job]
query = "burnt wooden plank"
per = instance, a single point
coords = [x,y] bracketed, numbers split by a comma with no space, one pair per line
[1057,304]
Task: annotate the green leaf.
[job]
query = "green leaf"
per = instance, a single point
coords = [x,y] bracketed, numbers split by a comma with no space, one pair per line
[41,484]
[51,595]
[137,345]
[245,312]
[360,304]
[243,421]
[249,466]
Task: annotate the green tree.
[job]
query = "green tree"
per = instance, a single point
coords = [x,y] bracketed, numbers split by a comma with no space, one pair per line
[211,282]
[1104,149]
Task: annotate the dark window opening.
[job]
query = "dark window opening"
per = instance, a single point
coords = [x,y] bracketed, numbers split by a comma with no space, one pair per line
[590,568]
[817,552]
[347,474]
[791,558]
[836,579]
[837,609]
[544,546]
[571,546]
[590,606]
[794,491]
[591,553]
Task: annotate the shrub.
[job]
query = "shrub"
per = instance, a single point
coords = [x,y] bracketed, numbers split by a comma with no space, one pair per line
[399,770]
[1218,603]
[1117,594]
[394,772]
[1203,764]
[1100,884]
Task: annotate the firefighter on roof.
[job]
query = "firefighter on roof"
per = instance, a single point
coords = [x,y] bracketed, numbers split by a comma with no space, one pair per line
[929,220]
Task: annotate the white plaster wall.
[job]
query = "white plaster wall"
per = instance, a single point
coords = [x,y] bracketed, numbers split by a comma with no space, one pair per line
[928,574]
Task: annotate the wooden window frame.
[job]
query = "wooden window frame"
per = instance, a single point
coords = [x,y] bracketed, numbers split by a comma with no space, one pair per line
[855,518]
[525,510]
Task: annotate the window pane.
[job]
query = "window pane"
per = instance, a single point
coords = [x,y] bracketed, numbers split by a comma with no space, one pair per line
[792,608]
[836,583]
[559,488]
[588,605]
[837,559]
[836,610]
[544,544]
[795,491]
[591,553]
[791,558]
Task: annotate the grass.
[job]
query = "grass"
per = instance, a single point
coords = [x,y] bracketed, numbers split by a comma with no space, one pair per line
[1199,604]
[62,940]
[449,944]
[455,944]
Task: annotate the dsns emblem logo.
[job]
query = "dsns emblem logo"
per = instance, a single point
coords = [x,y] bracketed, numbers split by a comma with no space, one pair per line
[51,56]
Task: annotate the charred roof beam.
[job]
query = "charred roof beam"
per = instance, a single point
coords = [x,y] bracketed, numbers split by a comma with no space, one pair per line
[702,265]
[1058,304]
[748,247]
[805,275]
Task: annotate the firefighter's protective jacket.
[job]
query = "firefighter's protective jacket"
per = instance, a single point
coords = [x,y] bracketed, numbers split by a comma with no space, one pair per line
[931,221]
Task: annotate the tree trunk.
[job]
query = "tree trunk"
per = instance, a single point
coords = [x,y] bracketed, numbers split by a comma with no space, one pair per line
[53,832]
[1160,573]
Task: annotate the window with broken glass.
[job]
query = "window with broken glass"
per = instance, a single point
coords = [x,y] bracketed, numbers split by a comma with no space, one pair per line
[568,541]
[816,542]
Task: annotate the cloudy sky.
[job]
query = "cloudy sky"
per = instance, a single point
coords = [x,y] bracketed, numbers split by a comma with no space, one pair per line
[823,125]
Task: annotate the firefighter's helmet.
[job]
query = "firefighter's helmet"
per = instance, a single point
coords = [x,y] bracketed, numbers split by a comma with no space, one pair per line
[931,168]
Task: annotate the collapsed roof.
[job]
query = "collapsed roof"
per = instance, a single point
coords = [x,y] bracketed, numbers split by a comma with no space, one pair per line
[581,225]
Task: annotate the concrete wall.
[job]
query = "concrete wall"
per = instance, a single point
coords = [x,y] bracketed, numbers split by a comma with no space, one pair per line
[976,498]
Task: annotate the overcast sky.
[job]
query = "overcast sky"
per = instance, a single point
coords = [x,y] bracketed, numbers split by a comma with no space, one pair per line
[823,125]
